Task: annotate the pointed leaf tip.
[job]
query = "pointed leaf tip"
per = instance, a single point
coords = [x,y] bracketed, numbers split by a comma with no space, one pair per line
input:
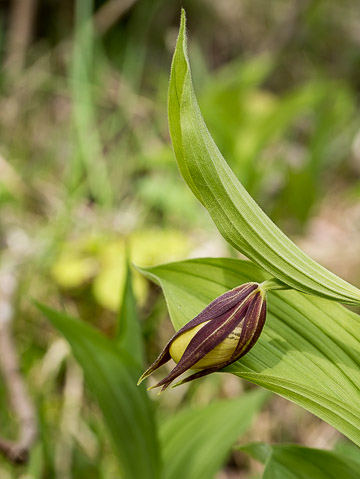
[236,215]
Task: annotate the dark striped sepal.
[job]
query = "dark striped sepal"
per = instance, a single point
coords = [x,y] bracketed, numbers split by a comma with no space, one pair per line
[221,334]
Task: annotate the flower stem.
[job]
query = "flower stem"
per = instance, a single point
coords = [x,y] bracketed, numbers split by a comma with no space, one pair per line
[273,284]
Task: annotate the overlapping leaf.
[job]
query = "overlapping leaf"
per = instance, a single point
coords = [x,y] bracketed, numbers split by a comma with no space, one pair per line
[308,351]
[237,216]
[296,462]
[112,374]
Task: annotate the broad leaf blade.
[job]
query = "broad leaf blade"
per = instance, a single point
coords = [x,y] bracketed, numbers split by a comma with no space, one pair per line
[112,375]
[237,216]
[297,462]
[195,442]
[308,351]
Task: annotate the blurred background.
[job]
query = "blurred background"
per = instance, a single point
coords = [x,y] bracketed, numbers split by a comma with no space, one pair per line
[87,172]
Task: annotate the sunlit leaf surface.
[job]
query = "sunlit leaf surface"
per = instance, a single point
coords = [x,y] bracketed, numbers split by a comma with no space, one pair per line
[308,351]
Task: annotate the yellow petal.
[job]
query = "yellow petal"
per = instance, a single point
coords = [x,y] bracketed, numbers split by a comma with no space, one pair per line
[221,353]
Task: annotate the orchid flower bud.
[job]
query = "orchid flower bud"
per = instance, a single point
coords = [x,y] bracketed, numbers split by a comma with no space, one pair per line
[221,334]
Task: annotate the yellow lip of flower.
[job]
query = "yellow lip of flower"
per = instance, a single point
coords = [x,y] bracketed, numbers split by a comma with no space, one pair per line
[222,333]
[221,353]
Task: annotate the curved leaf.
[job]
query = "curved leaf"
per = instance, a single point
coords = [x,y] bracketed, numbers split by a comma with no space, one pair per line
[308,351]
[237,216]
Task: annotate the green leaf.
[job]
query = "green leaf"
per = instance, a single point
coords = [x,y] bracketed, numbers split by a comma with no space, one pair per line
[111,375]
[237,216]
[308,351]
[348,449]
[195,442]
[128,334]
[297,462]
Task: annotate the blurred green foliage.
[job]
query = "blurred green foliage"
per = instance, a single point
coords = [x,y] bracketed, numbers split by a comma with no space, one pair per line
[279,146]
[100,261]
[87,170]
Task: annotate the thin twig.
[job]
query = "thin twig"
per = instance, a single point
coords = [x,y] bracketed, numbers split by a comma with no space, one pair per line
[18,450]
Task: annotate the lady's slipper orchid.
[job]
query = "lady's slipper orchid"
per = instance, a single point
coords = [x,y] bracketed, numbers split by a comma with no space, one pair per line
[221,334]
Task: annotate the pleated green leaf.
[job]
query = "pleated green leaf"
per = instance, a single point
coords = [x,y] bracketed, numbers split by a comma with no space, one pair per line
[112,375]
[237,216]
[297,462]
[195,442]
[308,351]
